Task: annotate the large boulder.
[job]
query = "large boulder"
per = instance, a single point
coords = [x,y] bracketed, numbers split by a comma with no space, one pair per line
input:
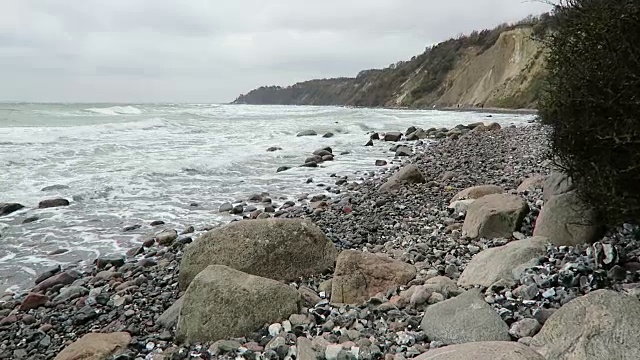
[96,346]
[494,216]
[49,203]
[464,318]
[502,263]
[409,174]
[601,325]
[566,220]
[360,275]
[222,303]
[393,136]
[556,184]
[476,192]
[281,249]
[487,350]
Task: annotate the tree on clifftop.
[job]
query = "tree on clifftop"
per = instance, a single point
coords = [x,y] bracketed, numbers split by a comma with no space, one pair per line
[592,102]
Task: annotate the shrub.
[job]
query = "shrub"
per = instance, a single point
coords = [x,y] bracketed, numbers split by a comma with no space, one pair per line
[591,100]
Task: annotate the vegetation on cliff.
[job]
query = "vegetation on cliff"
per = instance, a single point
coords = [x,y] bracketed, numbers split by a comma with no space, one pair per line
[591,101]
[499,67]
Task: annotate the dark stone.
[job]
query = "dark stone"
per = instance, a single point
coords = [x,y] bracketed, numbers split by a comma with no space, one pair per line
[135,251]
[49,203]
[410,130]
[369,143]
[328,135]
[393,136]
[274,148]
[255,197]
[132,227]
[47,274]
[60,279]
[307,133]
[283,168]
[236,210]
[58,252]
[404,151]
[375,136]
[30,219]
[157,223]
[54,187]
[226,207]
[617,272]
[327,158]
[381,162]
[8,208]
[322,152]
[313,159]
[84,315]
[310,164]
[102,262]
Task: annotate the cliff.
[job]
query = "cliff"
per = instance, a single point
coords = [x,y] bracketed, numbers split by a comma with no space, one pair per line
[502,67]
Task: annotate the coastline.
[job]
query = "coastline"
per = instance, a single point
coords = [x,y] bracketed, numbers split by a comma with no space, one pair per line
[413,226]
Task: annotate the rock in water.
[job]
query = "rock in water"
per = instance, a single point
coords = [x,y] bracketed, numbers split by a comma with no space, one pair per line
[222,303]
[283,168]
[393,136]
[601,325]
[225,207]
[49,203]
[360,275]
[487,350]
[566,220]
[8,208]
[54,187]
[476,192]
[503,262]
[282,249]
[96,346]
[495,216]
[403,151]
[307,133]
[327,135]
[465,318]
[167,237]
[409,174]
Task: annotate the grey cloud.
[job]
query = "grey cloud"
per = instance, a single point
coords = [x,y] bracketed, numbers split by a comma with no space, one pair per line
[203,50]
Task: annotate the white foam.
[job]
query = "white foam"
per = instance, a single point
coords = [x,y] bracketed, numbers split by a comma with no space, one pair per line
[115,110]
[151,162]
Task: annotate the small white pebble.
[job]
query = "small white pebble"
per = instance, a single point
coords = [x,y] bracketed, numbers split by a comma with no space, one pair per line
[275,329]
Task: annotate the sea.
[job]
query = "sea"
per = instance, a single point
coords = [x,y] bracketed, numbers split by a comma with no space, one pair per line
[126,164]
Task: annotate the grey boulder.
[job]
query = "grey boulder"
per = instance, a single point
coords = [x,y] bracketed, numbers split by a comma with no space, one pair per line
[464,318]
[281,249]
[222,303]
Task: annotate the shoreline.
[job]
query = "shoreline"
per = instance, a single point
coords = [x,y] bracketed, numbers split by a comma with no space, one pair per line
[411,226]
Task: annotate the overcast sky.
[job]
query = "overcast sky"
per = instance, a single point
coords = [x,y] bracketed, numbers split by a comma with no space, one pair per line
[210,50]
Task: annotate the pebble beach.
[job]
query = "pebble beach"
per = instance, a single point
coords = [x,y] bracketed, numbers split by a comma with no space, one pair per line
[394,264]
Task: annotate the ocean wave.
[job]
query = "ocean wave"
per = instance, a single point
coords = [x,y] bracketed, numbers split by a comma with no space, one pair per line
[116,110]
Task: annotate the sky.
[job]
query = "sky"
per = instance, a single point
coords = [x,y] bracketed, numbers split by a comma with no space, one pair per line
[208,51]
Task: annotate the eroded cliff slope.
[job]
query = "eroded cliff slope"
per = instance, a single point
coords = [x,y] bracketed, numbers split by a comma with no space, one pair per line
[502,67]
